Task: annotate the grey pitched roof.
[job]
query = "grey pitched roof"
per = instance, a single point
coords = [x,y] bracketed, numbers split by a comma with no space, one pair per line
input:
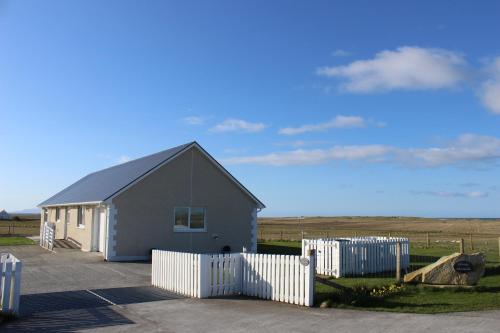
[101,185]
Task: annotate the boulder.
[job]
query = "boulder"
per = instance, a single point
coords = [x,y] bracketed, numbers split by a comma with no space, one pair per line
[456,269]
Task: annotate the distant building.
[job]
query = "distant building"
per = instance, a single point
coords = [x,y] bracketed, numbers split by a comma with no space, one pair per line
[4,215]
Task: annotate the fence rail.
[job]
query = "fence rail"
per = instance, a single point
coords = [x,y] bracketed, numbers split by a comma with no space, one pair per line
[341,257]
[10,283]
[280,278]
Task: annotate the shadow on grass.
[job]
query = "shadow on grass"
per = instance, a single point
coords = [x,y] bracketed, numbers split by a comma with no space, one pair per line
[492,270]
[423,259]
[278,249]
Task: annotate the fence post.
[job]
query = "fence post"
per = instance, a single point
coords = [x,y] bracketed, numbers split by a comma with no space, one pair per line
[462,245]
[471,244]
[310,278]
[203,270]
[427,240]
[398,261]
[302,232]
[16,292]
[281,235]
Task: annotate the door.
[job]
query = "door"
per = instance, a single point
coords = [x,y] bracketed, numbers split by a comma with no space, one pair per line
[102,230]
[66,222]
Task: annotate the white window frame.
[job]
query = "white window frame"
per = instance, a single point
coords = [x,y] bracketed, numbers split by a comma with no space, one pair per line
[188,228]
[80,218]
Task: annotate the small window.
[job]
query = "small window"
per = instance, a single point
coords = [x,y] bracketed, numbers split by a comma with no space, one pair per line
[80,218]
[45,215]
[189,219]
[181,217]
[58,214]
[197,218]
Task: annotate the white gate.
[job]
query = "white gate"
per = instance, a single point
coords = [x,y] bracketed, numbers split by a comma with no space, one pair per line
[10,283]
[280,278]
[357,256]
[47,235]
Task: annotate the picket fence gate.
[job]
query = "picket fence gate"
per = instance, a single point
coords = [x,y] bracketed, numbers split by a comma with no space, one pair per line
[10,283]
[47,235]
[280,278]
[357,256]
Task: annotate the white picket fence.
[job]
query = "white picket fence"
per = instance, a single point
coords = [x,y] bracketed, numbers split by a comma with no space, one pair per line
[10,283]
[280,278]
[47,235]
[357,256]
[177,271]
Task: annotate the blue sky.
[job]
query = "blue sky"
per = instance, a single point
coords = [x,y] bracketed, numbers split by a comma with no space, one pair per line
[319,108]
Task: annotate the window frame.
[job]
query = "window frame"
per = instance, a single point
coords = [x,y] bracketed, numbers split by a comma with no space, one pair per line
[58,214]
[45,215]
[80,217]
[188,228]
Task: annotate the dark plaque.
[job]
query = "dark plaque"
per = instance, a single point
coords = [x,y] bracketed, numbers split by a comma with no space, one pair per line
[463,267]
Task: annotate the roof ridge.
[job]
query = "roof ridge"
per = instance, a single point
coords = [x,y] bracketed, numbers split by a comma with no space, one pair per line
[142,158]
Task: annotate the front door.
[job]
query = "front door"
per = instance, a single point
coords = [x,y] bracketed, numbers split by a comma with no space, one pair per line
[66,222]
[102,230]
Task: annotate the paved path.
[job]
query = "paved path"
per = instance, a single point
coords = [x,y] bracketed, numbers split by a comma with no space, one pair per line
[244,315]
[68,269]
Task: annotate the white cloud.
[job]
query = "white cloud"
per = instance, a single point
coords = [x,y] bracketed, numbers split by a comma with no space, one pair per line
[193,120]
[301,143]
[315,156]
[237,125]
[447,194]
[337,122]
[477,194]
[123,159]
[467,149]
[407,68]
[489,92]
[341,53]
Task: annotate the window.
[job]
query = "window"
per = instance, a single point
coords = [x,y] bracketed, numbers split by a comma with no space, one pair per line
[80,217]
[57,214]
[189,219]
[45,215]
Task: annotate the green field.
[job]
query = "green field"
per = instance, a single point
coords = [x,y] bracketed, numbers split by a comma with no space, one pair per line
[21,225]
[358,292]
[7,241]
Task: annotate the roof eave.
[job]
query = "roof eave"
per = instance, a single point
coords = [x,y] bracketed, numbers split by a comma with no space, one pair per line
[84,203]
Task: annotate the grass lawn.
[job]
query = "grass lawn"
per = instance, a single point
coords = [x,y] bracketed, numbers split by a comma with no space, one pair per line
[409,298]
[6,241]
